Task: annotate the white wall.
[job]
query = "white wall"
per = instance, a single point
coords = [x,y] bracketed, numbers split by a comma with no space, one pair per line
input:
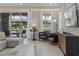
[54,25]
[29,24]
[61,20]
[36,18]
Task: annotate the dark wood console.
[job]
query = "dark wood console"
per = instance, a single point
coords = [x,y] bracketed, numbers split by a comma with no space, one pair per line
[69,44]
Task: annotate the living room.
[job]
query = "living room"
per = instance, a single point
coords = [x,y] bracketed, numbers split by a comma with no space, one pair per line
[39,29]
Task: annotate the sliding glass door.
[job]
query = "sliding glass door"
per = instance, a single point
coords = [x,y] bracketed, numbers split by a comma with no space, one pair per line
[18,24]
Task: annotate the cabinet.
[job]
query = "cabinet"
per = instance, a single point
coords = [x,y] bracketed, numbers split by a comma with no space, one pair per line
[68,44]
[62,43]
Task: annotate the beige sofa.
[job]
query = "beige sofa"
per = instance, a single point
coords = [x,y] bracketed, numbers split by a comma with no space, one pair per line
[19,50]
[14,48]
[7,43]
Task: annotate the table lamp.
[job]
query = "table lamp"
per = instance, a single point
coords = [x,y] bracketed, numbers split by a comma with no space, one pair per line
[34,27]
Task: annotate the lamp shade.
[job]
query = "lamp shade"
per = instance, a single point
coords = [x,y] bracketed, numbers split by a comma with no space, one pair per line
[34,25]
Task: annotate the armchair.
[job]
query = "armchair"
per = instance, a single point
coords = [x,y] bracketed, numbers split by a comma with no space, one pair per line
[44,35]
[53,38]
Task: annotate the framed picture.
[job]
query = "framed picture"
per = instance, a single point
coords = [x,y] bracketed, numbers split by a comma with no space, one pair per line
[70,16]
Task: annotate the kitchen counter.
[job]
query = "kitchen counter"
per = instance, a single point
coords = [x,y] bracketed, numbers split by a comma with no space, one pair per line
[68,34]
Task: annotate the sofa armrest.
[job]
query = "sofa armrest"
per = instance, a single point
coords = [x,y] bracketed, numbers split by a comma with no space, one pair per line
[12,43]
[11,51]
[2,45]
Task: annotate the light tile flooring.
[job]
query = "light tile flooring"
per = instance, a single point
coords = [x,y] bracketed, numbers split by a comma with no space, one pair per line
[44,48]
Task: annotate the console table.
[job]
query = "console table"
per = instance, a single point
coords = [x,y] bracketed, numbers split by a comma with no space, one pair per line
[69,44]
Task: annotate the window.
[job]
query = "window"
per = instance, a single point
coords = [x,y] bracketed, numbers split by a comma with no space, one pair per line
[46,22]
[18,24]
[19,21]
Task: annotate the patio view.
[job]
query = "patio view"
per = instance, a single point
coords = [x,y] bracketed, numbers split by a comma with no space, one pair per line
[46,21]
[18,23]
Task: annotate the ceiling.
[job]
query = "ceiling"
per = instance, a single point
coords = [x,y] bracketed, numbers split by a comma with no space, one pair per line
[30,5]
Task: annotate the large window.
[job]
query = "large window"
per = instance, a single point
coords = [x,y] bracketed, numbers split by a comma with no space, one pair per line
[19,21]
[46,23]
[18,24]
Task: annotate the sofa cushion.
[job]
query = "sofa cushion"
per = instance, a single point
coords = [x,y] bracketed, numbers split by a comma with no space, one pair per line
[2,39]
[12,44]
[10,51]
[2,45]
[50,39]
[2,36]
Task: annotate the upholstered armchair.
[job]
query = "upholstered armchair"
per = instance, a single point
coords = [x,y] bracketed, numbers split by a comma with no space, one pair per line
[53,38]
[43,35]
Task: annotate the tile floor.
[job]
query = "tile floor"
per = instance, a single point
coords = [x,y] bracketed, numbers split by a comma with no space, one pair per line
[44,48]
